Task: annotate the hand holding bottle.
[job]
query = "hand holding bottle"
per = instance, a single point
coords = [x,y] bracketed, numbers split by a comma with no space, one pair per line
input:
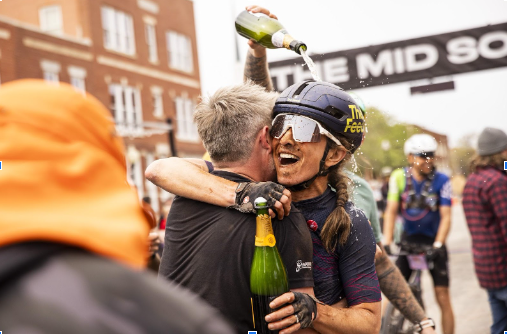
[266,30]
[295,309]
[256,49]
[278,198]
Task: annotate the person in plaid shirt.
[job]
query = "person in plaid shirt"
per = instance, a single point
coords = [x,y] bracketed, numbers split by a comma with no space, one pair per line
[485,205]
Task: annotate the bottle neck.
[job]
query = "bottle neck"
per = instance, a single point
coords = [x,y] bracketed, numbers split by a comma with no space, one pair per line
[293,44]
[264,235]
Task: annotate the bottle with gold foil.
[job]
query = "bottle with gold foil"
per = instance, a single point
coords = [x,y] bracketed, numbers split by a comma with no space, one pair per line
[266,31]
[268,277]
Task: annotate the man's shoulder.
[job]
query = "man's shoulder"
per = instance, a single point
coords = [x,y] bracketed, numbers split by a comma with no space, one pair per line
[397,181]
[486,177]
[294,218]
[398,172]
[494,175]
[441,177]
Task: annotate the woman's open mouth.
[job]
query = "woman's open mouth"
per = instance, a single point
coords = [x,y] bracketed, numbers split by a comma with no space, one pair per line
[287,159]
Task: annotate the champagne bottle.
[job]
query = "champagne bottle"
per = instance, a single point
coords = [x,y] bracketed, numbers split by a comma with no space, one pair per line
[266,31]
[268,277]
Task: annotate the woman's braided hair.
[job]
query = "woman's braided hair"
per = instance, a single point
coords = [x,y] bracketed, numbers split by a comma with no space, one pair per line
[337,226]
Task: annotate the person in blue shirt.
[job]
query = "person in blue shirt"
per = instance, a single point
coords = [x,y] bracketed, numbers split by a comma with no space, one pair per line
[422,196]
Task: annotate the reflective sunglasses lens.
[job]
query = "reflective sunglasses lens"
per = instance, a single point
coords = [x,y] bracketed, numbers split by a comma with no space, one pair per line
[305,130]
[277,128]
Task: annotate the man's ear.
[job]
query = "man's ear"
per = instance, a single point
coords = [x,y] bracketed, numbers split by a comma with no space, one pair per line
[264,138]
[335,155]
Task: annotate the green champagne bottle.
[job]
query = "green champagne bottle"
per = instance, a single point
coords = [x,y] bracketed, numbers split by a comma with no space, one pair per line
[266,31]
[268,277]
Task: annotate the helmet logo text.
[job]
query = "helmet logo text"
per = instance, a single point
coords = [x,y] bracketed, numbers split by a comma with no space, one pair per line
[356,122]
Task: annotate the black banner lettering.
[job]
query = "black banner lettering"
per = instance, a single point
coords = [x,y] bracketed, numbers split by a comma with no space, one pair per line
[414,59]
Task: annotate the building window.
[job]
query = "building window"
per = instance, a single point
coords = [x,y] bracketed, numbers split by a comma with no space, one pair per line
[135,174]
[179,48]
[126,107]
[187,130]
[151,41]
[77,77]
[50,70]
[50,19]
[118,31]
[158,106]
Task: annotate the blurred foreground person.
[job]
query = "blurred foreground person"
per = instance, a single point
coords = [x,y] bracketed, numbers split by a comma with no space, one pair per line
[72,230]
[485,205]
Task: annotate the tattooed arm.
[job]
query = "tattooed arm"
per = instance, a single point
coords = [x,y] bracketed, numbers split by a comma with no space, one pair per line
[256,70]
[256,65]
[395,288]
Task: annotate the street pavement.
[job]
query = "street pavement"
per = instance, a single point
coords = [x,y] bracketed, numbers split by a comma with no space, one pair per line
[472,314]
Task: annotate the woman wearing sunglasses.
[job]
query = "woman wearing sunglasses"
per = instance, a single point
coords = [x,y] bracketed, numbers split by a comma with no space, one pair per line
[316,128]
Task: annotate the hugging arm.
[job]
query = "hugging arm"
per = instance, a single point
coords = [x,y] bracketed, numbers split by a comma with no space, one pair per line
[360,285]
[357,319]
[190,178]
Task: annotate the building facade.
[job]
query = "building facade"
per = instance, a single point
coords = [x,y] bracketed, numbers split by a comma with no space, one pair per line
[138,57]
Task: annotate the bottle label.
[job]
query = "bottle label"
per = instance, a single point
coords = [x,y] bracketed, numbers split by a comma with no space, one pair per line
[264,235]
[279,37]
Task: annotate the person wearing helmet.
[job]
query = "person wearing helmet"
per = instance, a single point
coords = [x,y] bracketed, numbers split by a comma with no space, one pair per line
[316,128]
[191,185]
[422,196]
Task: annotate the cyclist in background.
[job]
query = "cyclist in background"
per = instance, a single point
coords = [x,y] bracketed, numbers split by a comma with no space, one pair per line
[423,197]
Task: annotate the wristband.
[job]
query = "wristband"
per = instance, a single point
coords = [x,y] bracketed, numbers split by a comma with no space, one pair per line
[240,187]
[418,327]
[437,244]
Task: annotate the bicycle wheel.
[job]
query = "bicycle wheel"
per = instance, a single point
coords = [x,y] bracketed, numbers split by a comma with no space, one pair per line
[394,322]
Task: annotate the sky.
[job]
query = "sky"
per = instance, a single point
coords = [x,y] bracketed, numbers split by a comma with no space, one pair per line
[479,99]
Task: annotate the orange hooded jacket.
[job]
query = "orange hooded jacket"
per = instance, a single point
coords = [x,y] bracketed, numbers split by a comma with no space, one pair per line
[63,176]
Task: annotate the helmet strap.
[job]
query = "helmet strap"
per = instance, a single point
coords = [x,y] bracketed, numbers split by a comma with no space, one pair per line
[323,171]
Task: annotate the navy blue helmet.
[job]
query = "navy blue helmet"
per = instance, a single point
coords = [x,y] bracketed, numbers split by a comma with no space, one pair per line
[326,103]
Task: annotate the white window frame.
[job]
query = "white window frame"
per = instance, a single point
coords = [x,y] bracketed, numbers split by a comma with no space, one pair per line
[77,78]
[50,19]
[126,107]
[151,41]
[187,129]
[158,105]
[179,51]
[134,169]
[50,71]
[118,31]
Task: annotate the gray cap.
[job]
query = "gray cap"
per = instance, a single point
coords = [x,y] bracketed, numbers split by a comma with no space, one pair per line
[492,141]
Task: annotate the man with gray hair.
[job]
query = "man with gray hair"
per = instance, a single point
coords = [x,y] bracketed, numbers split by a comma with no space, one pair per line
[209,249]
[485,205]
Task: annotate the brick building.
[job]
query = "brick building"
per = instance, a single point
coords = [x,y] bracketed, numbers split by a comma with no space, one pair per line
[138,57]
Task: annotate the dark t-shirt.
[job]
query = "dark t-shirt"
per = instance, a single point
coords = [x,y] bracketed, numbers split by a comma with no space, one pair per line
[209,250]
[349,272]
